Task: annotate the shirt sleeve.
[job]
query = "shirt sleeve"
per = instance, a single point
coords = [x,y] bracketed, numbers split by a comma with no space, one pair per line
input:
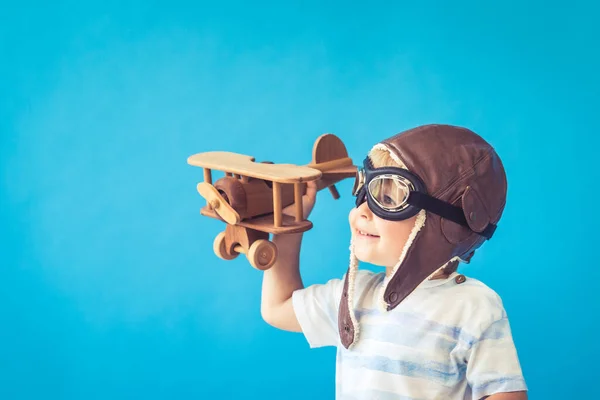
[316,309]
[492,362]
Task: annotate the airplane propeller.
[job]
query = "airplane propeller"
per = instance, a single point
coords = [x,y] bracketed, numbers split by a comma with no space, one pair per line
[218,203]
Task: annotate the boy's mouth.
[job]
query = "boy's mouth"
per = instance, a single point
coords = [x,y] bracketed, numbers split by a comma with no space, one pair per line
[365,234]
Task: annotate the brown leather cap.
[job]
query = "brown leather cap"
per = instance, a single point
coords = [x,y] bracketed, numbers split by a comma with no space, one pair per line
[459,167]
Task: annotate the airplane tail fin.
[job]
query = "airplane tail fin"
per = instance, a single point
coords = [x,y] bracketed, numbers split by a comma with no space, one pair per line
[331,158]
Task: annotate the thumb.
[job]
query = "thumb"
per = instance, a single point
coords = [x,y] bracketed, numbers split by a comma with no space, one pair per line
[311,189]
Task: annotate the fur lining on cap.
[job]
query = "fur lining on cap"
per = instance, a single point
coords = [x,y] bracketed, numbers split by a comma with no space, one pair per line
[351,277]
[397,160]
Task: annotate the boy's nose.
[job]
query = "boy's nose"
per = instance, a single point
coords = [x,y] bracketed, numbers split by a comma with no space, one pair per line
[364,211]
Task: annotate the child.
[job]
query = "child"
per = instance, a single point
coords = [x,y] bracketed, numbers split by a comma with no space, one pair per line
[427,198]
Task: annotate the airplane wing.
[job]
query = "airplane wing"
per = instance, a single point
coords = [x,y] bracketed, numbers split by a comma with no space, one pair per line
[246,166]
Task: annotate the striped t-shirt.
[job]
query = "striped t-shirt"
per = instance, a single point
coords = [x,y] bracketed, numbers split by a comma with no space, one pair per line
[446,340]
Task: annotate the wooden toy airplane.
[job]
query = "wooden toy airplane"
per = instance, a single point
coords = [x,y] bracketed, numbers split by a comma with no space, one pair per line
[251,196]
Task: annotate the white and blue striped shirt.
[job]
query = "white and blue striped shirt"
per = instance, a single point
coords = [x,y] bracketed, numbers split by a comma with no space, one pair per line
[444,341]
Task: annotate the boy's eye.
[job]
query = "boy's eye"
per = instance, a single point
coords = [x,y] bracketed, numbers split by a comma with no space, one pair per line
[388,200]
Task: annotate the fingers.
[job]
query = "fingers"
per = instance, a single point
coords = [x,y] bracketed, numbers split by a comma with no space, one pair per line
[308,201]
[311,189]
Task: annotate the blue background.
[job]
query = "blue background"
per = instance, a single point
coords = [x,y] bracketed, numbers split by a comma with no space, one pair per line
[109,287]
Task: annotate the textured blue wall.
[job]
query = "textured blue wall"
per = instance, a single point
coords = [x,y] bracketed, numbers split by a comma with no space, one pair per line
[108,284]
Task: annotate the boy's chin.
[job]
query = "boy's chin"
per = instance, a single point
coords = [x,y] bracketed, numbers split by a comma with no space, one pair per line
[369,259]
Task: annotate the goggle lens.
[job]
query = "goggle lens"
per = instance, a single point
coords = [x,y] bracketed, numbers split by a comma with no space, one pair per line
[390,192]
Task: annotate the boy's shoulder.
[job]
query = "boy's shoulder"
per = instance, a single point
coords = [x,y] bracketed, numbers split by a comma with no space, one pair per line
[472,299]
[474,289]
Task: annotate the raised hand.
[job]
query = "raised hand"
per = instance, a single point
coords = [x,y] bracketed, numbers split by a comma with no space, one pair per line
[308,201]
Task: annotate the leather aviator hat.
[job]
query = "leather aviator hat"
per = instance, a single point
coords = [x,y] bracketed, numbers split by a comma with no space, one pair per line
[455,184]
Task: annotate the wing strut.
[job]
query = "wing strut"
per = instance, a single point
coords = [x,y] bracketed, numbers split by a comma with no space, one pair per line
[277,204]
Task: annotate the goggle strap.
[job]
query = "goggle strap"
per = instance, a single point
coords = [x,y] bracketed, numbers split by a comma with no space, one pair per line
[445,210]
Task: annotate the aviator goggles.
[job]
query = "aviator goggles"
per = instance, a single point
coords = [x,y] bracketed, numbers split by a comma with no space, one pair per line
[396,194]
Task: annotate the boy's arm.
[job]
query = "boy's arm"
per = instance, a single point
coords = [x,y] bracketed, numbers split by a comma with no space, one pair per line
[283,278]
[280,281]
[508,396]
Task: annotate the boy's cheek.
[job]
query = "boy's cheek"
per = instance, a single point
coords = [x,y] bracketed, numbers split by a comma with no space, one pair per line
[352,216]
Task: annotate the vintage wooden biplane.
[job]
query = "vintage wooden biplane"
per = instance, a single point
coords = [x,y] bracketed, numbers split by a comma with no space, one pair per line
[251,196]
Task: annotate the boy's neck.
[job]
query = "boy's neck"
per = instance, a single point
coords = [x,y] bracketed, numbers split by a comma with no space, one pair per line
[440,275]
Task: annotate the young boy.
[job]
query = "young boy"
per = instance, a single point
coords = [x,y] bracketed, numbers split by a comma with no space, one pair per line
[427,198]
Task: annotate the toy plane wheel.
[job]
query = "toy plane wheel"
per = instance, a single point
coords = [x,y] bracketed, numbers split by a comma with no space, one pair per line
[220,248]
[262,254]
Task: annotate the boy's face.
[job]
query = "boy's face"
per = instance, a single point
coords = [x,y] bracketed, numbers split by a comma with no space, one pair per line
[376,240]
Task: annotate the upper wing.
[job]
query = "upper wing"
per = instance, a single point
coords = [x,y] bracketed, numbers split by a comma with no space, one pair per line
[244,165]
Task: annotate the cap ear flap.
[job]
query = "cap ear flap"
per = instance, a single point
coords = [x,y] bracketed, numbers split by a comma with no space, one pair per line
[475,212]
[454,232]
